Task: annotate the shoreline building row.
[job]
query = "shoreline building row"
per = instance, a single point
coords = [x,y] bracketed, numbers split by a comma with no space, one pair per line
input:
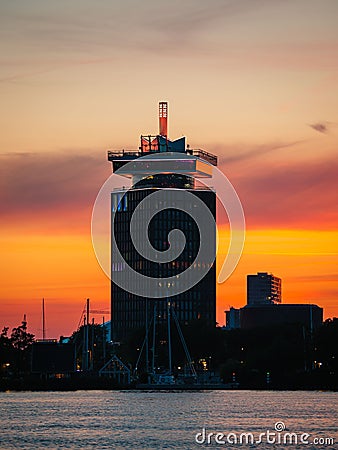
[264,307]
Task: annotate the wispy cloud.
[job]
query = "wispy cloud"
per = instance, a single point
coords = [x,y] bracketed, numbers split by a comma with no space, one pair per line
[329,277]
[322,127]
[71,35]
[294,194]
[54,186]
[49,186]
[229,156]
[187,20]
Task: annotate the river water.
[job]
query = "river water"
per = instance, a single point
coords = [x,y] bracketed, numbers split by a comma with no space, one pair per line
[168,420]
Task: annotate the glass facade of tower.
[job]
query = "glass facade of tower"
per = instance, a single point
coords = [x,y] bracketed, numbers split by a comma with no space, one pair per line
[128,311]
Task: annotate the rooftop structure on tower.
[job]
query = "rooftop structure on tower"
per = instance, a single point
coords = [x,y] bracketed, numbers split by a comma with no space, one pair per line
[180,158]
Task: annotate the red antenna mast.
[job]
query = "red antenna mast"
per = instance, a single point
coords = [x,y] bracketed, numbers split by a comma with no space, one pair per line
[163,118]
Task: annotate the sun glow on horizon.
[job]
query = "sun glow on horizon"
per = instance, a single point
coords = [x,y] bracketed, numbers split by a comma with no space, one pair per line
[63,269]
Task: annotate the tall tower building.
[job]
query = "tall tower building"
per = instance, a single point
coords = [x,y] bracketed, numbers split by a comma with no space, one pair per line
[263,289]
[171,169]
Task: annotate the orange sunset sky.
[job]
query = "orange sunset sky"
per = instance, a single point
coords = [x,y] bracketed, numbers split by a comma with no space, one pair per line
[252,81]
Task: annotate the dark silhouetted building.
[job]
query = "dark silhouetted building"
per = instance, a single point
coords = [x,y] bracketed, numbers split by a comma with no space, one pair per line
[232,318]
[53,359]
[128,310]
[264,307]
[311,316]
[263,288]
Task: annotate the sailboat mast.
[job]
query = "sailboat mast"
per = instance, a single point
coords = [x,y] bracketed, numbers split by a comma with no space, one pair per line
[43,320]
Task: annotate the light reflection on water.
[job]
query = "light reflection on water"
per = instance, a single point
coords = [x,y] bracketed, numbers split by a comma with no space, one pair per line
[158,420]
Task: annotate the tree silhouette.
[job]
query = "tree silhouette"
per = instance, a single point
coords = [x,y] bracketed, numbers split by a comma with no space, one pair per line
[20,337]
[6,351]
[21,342]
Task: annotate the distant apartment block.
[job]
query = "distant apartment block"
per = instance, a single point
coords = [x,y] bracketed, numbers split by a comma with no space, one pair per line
[232,318]
[263,289]
[264,307]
